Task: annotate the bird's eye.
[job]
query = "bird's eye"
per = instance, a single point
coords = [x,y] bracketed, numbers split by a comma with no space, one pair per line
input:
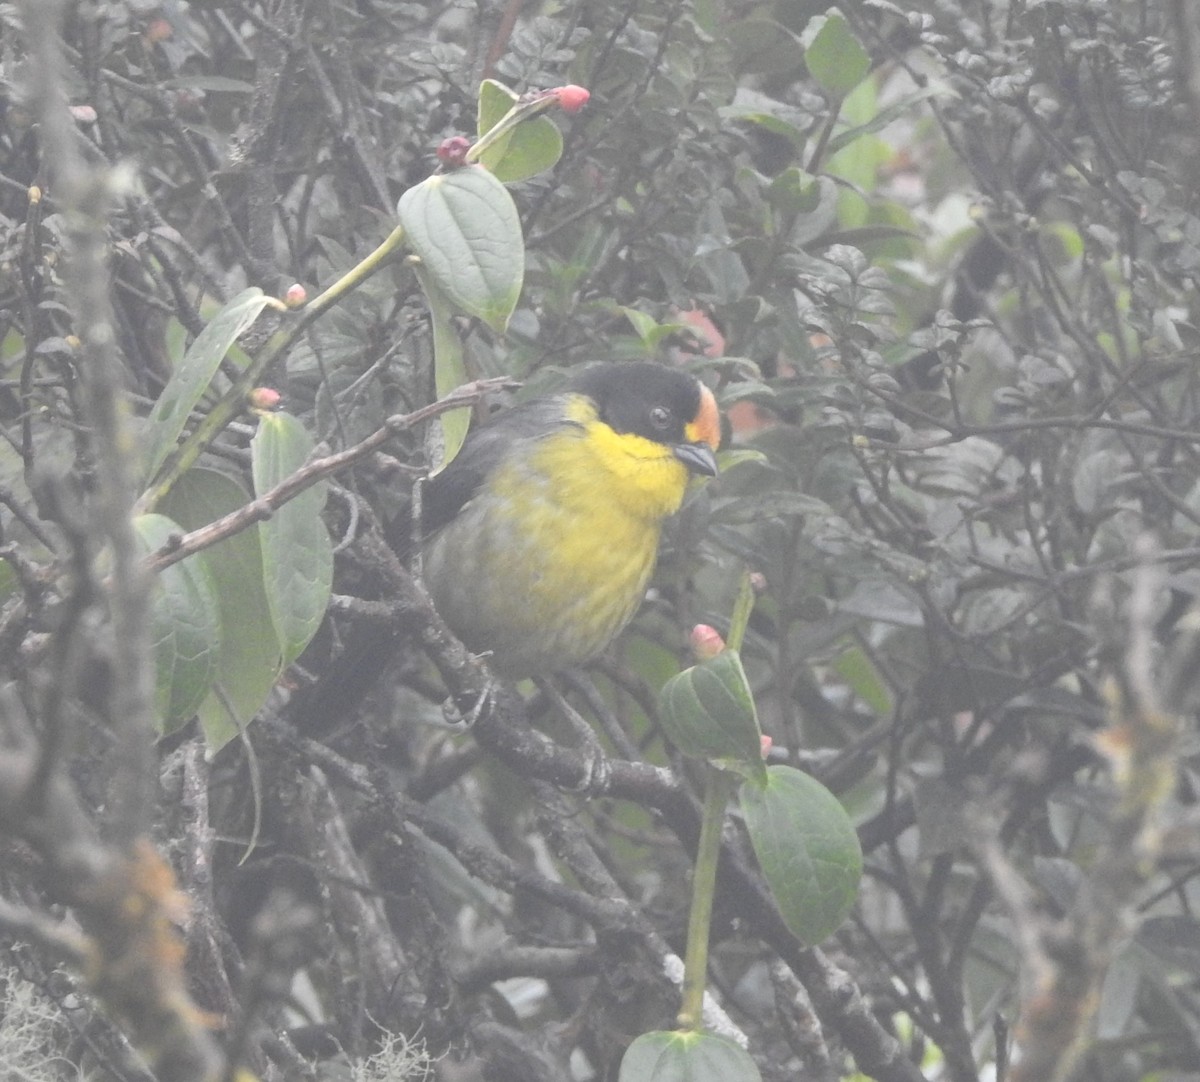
[660,417]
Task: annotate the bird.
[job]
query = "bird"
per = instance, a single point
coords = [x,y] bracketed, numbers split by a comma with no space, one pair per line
[538,539]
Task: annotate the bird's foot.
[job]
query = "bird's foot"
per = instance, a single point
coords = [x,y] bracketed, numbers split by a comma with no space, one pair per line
[597,767]
[460,713]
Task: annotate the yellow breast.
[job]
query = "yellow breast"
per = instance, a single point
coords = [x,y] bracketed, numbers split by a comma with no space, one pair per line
[551,558]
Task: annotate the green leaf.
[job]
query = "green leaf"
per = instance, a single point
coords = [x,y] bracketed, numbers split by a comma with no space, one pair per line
[495,100]
[296,550]
[1069,240]
[250,660]
[726,460]
[533,147]
[834,56]
[686,1057]
[794,191]
[814,223]
[449,367]
[185,627]
[644,325]
[191,379]
[175,338]
[767,122]
[530,148]
[807,849]
[650,331]
[855,666]
[465,229]
[708,711]
[860,161]
[883,118]
[753,107]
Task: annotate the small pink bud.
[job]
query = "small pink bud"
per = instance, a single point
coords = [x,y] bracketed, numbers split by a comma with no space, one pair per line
[572,98]
[83,114]
[157,30]
[758,582]
[263,398]
[452,152]
[295,296]
[765,743]
[706,642]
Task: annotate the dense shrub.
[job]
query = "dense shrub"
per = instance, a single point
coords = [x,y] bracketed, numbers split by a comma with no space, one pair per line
[939,260]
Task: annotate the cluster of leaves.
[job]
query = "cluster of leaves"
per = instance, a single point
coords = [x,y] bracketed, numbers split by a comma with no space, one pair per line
[937,258]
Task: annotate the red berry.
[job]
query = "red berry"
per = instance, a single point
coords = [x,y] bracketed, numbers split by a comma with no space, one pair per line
[572,98]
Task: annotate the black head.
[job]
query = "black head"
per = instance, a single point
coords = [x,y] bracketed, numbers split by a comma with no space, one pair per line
[648,400]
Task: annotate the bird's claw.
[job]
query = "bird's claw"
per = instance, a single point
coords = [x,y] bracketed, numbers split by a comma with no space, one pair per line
[461,720]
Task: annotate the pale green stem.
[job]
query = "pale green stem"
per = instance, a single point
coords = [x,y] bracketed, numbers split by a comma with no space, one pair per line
[233,402]
[741,613]
[719,788]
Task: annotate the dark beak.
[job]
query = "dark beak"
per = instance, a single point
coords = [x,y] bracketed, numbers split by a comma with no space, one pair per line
[697,457]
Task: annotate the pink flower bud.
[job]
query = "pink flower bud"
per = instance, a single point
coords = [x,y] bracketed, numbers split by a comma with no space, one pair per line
[706,642]
[295,296]
[765,743]
[157,30]
[263,398]
[452,152]
[572,98]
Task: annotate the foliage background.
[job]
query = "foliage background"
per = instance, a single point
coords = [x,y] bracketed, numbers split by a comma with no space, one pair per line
[952,307]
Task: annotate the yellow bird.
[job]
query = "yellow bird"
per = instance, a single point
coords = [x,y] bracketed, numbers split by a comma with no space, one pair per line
[538,539]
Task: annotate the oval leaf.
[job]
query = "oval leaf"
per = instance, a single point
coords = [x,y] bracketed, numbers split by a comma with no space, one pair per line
[192,378]
[250,660]
[686,1057]
[296,551]
[794,191]
[807,849]
[534,146]
[184,627]
[530,148]
[495,100]
[464,227]
[883,118]
[834,56]
[708,712]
